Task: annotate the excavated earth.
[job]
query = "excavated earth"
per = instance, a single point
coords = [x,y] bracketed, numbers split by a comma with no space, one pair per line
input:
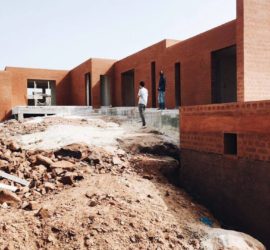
[100,183]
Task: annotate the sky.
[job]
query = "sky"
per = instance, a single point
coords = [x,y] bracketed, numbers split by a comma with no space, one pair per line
[61,34]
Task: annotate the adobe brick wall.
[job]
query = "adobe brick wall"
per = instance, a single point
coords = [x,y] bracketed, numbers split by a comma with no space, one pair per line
[95,67]
[253,40]
[19,78]
[6,94]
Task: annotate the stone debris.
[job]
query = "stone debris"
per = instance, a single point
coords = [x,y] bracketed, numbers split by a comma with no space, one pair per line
[89,197]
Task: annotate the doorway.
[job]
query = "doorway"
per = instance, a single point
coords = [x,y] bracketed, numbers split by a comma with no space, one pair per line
[224,79]
[153,81]
[88,89]
[177,82]
[105,90]
[128,95]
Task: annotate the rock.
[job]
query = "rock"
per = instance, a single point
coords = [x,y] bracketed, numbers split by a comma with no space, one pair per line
[63,165]
[120,152]
[93,203]
[116,161]
[134,239]
[41,169]
[40,159]
[49,186]
[67,179]
[58,171]
[33,205]
[9,197]
[44,213]
[78,151]
[14,146]
[226,239]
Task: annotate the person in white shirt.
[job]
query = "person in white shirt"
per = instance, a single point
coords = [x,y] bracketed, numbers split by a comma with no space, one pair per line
[143,97]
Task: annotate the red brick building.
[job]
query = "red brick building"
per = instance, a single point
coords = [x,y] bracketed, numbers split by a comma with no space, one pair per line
[221,81]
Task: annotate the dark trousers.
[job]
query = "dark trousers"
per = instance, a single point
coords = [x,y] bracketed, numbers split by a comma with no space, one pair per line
[141,111]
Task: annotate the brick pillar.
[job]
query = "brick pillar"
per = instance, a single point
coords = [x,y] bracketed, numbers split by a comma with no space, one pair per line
[253,50]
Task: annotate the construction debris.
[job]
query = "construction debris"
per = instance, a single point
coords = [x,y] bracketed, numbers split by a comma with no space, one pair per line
[84,196]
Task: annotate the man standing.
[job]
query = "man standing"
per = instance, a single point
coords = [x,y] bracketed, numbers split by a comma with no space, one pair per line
[161,90]
[143,96]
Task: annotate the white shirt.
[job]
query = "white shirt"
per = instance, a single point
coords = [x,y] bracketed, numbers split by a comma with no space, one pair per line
[143,96]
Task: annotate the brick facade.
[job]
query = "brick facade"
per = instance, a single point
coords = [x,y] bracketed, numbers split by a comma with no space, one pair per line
[203,127]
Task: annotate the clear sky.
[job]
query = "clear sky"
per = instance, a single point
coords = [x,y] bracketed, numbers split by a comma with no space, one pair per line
[60,34]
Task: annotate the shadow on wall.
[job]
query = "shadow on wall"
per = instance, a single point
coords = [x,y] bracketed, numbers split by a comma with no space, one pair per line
[63,91]
[236,190]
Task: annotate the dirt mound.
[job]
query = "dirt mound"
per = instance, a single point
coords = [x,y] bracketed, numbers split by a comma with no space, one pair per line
[87,197]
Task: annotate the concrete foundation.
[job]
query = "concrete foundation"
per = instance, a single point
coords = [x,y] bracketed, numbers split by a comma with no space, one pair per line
[20,111]
[166,121]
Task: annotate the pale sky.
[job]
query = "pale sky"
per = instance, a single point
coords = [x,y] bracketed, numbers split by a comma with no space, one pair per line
[61,34]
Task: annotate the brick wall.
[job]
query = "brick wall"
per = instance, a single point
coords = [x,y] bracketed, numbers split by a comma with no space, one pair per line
[253,40]
[203,127]
[95,67]
[18,82]
[194,54]
[5,94]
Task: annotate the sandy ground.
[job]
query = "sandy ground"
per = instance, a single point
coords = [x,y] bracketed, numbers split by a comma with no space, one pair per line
[123,202]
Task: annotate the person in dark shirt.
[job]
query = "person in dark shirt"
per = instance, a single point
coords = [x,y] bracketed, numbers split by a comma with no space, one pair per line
[161,90]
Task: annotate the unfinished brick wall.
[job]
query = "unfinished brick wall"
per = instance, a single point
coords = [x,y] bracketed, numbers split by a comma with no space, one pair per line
[19,77]
[203,128]
[193,54]
[235,185]
[253,41]
[96,68]
[5,95]
[77,78]
[141,63]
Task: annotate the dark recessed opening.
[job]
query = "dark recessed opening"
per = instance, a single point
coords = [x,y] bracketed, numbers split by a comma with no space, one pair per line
[153,81]
[224,80]
[128,94]
[230,144]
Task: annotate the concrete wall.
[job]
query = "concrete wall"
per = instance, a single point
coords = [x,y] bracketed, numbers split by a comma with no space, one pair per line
[5,94]
[253,41]
[19,77]
[235,186]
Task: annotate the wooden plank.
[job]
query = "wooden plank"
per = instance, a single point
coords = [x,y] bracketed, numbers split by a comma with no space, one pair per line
[7,187]
[14,178]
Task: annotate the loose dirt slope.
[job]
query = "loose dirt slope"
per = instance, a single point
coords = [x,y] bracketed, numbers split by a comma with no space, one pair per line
[97,184]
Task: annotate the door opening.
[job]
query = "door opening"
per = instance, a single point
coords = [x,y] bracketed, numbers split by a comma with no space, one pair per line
[88,89]
[128,95]
[177,81]
[105,90]
[224,80]
[153,80]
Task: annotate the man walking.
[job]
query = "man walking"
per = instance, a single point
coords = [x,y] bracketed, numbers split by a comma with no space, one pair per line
[161,90]
[143,96]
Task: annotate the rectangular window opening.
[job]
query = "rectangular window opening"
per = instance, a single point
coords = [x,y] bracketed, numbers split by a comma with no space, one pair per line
[230,144]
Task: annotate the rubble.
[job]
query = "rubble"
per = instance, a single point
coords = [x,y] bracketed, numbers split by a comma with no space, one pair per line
[82,196]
